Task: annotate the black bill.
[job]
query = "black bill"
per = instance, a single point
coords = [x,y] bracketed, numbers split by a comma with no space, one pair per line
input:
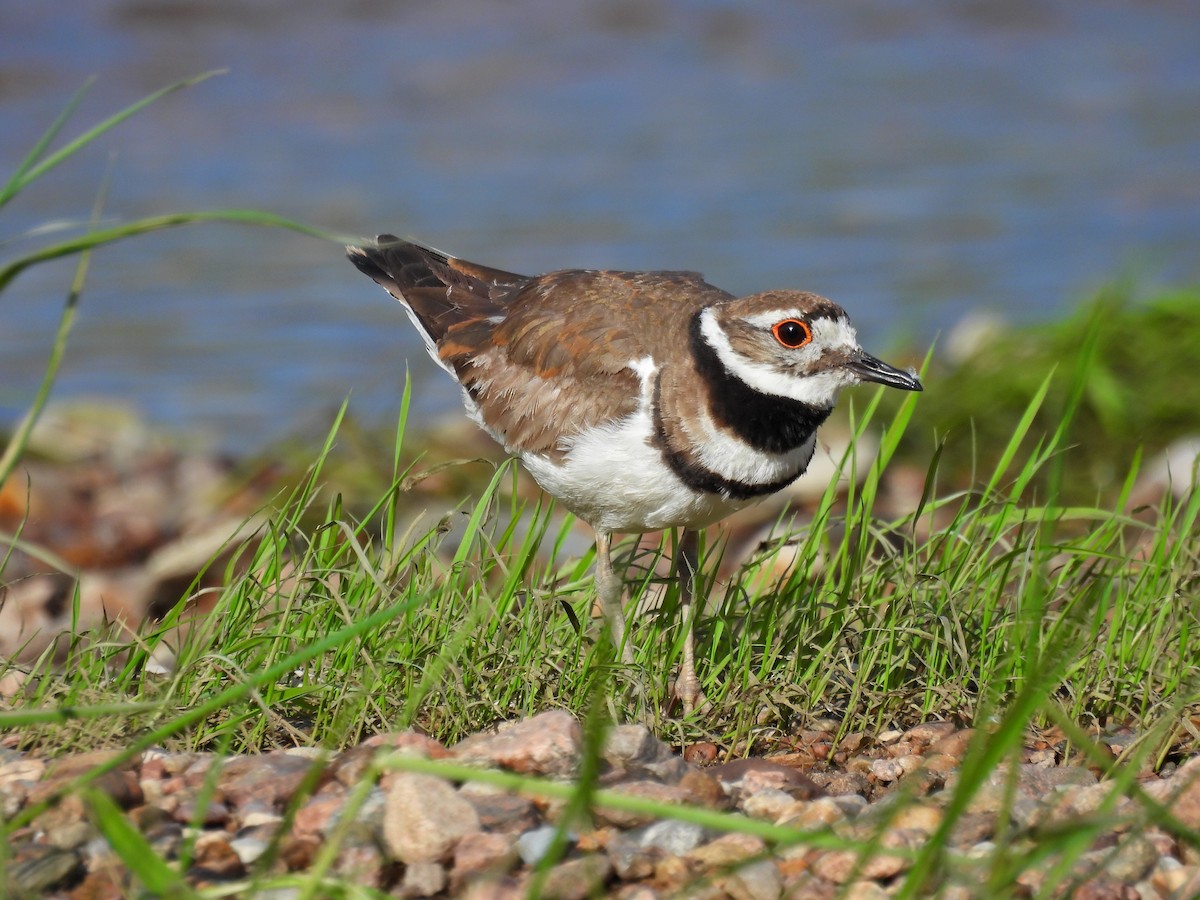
[868,368]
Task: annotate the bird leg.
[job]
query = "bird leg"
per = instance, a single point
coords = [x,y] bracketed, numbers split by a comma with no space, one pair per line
[687,564]
[609,589]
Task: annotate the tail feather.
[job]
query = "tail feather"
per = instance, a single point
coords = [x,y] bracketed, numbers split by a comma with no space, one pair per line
[438,290]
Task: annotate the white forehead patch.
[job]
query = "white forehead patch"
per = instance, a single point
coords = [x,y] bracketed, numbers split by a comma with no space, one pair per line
[836,334]
[820,389]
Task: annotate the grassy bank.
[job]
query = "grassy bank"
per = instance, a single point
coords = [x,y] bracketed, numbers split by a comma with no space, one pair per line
[333,625]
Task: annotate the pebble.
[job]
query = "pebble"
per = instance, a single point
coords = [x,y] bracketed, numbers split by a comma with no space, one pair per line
[423,879]
[1182,792]
[577,879]
[727,850]
[35,869]
[648,790]
[759,880]
[482,853]
[630,858]
[534,844]
[672,836]
[768,804]
[424,818]
[248,849]
[546,744]
[812,815]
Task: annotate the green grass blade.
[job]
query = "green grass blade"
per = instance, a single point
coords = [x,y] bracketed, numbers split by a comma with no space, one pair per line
[20,439]
[27,173]
[1018,434]
[12,187]
[156,223]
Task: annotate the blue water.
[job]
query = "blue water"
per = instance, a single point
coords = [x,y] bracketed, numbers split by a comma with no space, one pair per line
[912,160]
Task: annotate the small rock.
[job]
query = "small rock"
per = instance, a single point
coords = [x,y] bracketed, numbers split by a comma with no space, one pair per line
[213,814]
[101,884]
[672,875]
[481,854]
[545,744]
[970,829]
[812,815]
[802,883]
[702,753]
[631,861]
[954,744]
[768,805]
[636,892]
[1181,793]
[1178,880]
[727,850]
[362,862]
[850,804]
[411,742]
[902,748]
[864,890]
[1133,859]
[1043,759]
[701,789]
[939,763]
[927,733]
[649,790]
[759,880]
[838,784]
[321,812]
[424,818]
[839,865]
[21,769]
[534,844]
[577,879]
[12,682]
[35,869]
[248,849]
[257,817]
[1104,888]
[500,810]
[886,770]
[423,879]
[743,777]
[498,889]
[272,778]
[672,836]
[921,817]
[634,752]
[215,860]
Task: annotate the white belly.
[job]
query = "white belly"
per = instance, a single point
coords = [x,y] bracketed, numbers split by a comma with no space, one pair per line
[614,480]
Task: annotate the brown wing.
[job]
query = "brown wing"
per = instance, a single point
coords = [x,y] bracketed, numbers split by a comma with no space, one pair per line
[559,361]
[547,357]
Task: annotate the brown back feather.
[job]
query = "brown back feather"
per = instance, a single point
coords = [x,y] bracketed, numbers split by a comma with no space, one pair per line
[544,357]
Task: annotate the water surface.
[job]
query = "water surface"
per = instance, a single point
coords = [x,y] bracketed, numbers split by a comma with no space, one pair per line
[912,160]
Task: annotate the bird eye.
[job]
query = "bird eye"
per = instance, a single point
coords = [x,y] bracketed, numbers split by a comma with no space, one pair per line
[792,333]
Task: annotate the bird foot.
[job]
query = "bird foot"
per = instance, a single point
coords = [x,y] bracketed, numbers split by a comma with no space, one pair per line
[687,691]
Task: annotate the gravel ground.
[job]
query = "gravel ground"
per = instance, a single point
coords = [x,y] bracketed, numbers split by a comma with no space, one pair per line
[422,836]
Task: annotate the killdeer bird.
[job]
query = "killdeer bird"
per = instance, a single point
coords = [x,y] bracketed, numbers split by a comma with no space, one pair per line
[641,400]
